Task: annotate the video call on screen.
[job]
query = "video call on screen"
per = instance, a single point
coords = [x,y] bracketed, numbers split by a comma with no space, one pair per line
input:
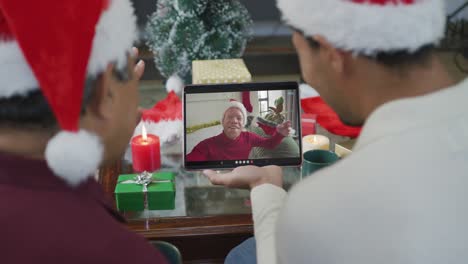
[218,135]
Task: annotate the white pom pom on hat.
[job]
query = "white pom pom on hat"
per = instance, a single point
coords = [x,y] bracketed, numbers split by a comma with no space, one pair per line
[175,83]
[74,156]
[81,48]
[369,26]
[235,104]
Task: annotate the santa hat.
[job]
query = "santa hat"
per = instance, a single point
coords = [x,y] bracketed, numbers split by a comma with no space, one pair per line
[369,26]
[54,45]
[235,104]
[164,119]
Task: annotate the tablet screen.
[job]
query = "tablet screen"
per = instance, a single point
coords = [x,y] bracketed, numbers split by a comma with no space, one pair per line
[230,125]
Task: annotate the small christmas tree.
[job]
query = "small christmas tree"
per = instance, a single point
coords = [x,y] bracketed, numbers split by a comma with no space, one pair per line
[181,31]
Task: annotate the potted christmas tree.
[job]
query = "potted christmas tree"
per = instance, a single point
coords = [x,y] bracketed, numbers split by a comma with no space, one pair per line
[180,31]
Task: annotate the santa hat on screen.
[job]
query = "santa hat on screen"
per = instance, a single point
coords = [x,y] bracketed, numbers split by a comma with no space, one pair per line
[368,26]
[235,104]
[52,45]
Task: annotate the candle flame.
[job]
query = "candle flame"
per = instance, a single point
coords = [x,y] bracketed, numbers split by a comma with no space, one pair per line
[143,132]
[312,139]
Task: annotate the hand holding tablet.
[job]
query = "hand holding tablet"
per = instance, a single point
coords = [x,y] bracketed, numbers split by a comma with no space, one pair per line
[247,177]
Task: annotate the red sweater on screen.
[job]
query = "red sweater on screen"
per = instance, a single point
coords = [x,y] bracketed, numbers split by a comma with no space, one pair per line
[220,147]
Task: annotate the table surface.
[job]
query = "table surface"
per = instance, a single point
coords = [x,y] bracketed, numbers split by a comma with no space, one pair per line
[195,195]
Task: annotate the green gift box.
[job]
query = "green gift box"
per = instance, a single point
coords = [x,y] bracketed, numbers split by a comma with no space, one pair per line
[160,191]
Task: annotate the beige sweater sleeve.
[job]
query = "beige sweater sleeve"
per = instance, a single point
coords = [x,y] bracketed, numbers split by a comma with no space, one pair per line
[267,201]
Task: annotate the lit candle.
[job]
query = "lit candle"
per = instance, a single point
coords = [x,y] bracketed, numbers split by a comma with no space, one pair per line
[146,153]
[311,142]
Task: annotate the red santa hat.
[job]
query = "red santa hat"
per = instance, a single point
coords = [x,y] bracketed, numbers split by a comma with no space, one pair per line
[368,26]
[53,45]
[164,119]
[235,104]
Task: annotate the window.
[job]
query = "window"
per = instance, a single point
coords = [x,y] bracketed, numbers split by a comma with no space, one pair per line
[263,102]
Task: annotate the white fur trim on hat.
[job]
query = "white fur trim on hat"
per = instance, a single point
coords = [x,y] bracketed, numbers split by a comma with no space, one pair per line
[238,105]
[115,34]
[16,77]
[175,83]
[307,91]
[74,156]
[368,28]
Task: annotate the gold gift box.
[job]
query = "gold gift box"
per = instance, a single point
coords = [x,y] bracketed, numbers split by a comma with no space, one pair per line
[220,71]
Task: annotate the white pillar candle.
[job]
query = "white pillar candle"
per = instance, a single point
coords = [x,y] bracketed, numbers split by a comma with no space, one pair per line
[311,142]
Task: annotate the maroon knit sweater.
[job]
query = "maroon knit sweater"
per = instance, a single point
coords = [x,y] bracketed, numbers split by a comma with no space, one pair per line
[43,220]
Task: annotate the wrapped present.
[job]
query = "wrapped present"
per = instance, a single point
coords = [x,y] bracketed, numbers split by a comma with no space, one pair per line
[220,71]
[156,191]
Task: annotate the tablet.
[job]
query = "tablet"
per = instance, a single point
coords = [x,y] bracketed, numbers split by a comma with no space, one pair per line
[231,125]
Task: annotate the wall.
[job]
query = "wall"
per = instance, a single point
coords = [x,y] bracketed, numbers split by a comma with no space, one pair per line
[207,107]
[452,5]
[260,10]
[254,102]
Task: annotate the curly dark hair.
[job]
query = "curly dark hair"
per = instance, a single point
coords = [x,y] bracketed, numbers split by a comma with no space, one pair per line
[396,59]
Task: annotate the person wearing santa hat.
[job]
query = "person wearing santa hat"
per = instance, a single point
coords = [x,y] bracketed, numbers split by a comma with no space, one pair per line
[400,196]
[68,103]
[233,143]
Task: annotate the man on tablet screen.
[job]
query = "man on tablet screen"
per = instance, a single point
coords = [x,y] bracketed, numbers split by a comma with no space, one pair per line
[233,143]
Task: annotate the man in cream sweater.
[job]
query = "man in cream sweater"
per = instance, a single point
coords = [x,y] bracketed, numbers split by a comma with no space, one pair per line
[401,196]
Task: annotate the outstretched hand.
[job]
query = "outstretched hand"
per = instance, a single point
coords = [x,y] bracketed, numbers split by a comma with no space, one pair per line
[140,66]
[284,128]
[246,177]
[138,71]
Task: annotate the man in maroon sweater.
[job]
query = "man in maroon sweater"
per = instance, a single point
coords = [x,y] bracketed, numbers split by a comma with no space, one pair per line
[233,143]
[53,53]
